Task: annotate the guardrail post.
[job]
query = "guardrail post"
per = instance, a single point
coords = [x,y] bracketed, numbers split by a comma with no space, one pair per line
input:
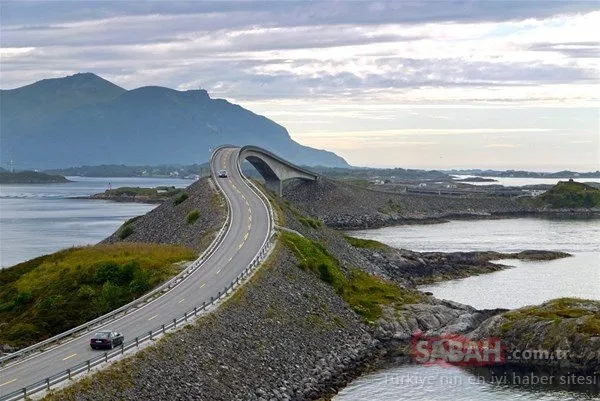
[204,305]
[219,295]
[174,323]
[47,383]
[88,365]
[150,333]
[122,348]
[137,342]
[185,316]
[195,311]
[211,300]
[106,357]
[24,392]
[163,329]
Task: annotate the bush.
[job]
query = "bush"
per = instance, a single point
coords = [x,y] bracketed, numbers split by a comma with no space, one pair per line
[193,216]
[54,293]
[181,198]
[125,232]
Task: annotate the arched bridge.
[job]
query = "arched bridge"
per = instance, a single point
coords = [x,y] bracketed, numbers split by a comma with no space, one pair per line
[273,168]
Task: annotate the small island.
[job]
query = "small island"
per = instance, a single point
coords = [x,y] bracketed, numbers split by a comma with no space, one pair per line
[475,179]
[30,177]
[569,194]
[139,194]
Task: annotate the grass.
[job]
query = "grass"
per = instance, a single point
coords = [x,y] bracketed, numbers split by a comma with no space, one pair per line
[569,194]
[365,243]
[126,231]
[365,293]
[557,311]
[193,216]
[310,222]
[53,293]
[181,198]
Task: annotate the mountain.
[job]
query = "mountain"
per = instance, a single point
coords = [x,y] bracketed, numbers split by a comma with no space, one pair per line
[85,119]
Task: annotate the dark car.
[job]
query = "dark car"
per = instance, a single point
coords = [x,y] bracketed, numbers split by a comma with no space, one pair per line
[222,173]
[106,339]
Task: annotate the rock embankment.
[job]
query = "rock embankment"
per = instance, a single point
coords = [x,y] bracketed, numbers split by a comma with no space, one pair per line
[562,334]
[170,222]
[343,206]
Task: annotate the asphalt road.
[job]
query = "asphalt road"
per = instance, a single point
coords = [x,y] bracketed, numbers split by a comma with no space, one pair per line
[248,230]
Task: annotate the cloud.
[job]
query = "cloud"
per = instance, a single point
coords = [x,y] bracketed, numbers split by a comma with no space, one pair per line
[504,145]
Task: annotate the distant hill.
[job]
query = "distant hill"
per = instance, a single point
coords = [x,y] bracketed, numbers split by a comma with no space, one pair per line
[570,194]
[84,119]
[30,177]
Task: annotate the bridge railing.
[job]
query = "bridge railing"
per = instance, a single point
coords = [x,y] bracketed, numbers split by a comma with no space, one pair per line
[84,367]
[125,309]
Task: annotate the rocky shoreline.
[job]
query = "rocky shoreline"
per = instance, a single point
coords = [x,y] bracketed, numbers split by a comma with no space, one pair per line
[347,207]
[290,334]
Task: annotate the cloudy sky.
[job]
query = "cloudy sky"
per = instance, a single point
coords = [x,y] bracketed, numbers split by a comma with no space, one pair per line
[492,84]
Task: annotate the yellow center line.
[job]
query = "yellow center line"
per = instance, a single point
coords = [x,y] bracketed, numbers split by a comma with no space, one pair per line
[153,317]
[245,236]
[8,382]
[249,226]
[182,299]
[219,271]
[203,284]
[249,211]
[247,204]
[69,357]
[250,217]
[241,245]
[230,259]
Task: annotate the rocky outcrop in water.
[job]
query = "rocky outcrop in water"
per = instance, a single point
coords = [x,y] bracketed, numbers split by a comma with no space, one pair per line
[563,334]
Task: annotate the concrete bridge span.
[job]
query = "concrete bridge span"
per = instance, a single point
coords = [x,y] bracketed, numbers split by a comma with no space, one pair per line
[273,168]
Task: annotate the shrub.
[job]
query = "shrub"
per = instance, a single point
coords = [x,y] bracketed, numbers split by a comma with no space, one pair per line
[125,232]
[54,293]
[193,216]
[181,198]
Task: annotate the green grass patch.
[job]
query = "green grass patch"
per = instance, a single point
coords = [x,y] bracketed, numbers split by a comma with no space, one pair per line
[50,294]
[558,310]
[181,198]
[365,293]
[126,231]
[569,194]
[364,243]
[310,222]
[192,216]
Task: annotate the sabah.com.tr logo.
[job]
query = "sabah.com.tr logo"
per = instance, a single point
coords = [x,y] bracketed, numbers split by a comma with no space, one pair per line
[456,349]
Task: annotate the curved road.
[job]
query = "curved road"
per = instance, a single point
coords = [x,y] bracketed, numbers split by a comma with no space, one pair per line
[249,228]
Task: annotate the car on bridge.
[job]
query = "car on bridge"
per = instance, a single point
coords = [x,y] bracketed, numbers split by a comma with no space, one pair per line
[222,173]
[106,339]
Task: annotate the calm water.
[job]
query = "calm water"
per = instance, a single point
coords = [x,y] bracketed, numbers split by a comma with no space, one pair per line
[527,283]
[519,182]
[434,383]
[40,219]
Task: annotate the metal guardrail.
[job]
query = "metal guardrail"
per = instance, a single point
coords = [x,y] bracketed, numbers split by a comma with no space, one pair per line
[47,383]
[125,309]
